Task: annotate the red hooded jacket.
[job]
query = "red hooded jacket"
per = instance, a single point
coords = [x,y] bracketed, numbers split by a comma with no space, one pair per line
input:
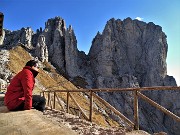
[20,89]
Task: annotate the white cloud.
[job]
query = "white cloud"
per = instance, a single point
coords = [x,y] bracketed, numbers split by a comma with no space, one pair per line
[139,18]
[175,72]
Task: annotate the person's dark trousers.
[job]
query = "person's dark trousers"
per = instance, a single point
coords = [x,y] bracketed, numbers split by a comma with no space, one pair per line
[38,102]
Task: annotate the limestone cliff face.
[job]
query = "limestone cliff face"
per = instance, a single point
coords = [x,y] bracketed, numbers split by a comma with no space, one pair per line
[131,53]
[56,44]
[130,47]
[23,36]
[41,50]
[62,45]
[71,53]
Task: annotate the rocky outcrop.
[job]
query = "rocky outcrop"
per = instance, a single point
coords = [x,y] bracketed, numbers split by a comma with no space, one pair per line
[2,33]
[62,45]
[57,50]
[41,50]
[5,74]
[23,36]
[71,53]
[130,47]
[2,37]
[55,43]
[26,37]
[131,53]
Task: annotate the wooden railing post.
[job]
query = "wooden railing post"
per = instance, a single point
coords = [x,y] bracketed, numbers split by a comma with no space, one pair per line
[91,106]
[67,102]
[54,105]
[48,98]
[136,113]
[43,94]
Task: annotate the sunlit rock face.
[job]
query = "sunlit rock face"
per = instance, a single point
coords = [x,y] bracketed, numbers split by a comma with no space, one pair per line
[2,37]
[23,36]
[132,53]
[130,47]
[41,50]
[62,45]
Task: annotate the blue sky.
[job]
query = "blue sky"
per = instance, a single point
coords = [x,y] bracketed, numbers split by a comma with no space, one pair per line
[90,16]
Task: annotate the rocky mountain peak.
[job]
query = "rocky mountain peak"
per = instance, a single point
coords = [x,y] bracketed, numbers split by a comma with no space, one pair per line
[131,47]
[132,53]
[55,23]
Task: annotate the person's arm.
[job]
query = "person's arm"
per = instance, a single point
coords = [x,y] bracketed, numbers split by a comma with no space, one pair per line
[28,85]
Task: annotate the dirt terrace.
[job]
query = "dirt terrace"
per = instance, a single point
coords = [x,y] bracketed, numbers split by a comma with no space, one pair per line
[30,122]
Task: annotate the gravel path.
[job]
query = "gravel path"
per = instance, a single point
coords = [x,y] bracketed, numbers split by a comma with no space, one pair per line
[81,126]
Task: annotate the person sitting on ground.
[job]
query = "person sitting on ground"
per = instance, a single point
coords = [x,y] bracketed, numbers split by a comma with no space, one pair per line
[19,92]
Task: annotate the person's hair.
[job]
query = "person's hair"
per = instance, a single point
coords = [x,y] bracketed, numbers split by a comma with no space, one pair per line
[31,63]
